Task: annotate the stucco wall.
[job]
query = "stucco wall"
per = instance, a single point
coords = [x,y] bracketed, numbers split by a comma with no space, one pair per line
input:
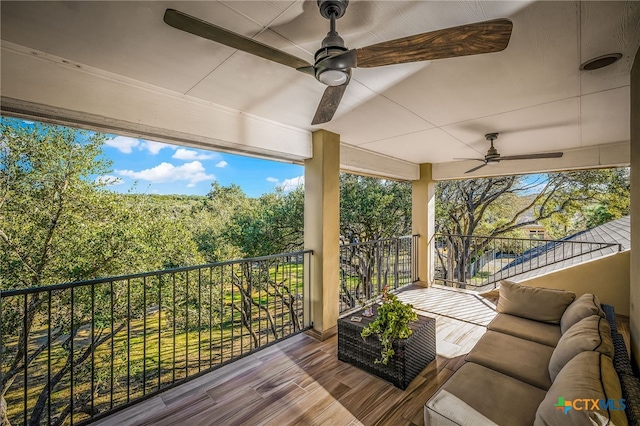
[606,277]
[634,322]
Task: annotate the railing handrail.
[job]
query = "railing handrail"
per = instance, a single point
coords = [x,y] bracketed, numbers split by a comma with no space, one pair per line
[382,240]
[528,254]
[64,286]
[607,244]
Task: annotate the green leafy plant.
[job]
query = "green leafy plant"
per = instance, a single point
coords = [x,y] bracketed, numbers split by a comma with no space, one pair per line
[391,323]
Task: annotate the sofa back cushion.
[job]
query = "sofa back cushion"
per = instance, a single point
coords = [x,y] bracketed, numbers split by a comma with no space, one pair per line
[539,304]
[590,334]
[586,391]
[583,307]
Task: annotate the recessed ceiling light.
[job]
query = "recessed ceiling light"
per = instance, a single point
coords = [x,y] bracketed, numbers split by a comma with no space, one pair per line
[601,62]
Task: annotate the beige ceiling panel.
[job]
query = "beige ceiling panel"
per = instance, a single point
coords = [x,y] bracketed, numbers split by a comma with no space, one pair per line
[605,117]
[538,66]
[608,27]
[257,86]
[126,38]
[428,146]
[364,116]
[547,127]
[263,12]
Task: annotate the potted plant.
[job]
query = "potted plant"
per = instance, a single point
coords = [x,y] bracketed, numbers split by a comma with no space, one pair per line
[391,323]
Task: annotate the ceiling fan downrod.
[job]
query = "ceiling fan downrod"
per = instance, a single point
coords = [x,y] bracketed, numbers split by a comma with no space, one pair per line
[336,72]
[492,150]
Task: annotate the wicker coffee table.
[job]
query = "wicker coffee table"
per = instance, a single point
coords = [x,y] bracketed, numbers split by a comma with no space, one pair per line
[411,355]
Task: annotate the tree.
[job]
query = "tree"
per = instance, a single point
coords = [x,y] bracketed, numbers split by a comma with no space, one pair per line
[370,209]
[273,223]
[48,195]
[496,207]
[59,224]
[211,218]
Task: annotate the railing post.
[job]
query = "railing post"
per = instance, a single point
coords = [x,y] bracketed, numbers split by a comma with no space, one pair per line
[415,255]
[306,277]
[396,264]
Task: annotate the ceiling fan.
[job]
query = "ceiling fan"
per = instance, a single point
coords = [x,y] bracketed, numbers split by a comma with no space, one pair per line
[493,157]
[334,62]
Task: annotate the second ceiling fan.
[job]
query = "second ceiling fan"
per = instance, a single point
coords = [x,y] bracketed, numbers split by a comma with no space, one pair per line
[334,62]
[493,157]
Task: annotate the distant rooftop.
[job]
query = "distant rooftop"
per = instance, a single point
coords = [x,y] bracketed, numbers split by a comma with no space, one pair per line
[617,232]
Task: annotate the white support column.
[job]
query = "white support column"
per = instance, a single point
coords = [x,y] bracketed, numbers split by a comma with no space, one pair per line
[322,230]
[634,308]
[423,199]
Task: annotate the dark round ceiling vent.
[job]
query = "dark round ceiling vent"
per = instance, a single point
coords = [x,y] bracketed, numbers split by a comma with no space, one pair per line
[601,62]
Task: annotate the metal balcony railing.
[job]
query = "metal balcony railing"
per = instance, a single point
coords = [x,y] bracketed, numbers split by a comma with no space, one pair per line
[479,262]
[72,353]
[366,268]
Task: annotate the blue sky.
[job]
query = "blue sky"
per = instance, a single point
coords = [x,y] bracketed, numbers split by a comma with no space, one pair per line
[152,167]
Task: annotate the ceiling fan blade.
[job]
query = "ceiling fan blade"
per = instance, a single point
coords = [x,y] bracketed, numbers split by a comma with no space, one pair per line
[469,159]
[475,168]
[204,29]
[329,104]
[471,39]
[533,156]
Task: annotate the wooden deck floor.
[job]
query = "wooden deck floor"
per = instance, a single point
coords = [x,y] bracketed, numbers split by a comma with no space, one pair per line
[300,381]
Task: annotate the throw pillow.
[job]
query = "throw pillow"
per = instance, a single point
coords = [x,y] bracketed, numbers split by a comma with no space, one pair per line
[590,334]
[536,303]
[583,307]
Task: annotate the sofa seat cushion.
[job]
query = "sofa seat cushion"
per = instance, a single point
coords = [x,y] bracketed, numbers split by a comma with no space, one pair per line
[536,303]
[476,395]
[536,331]
[590,334]
[574,398]
[581,308]
[519,358]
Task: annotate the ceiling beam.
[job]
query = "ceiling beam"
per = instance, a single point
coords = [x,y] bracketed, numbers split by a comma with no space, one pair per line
[51,89]
[593,157]
[361,161]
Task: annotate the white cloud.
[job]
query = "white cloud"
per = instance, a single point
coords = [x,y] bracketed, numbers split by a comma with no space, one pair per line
[123,144]
[126,144]
[273,180]
[27,122]
[109,180]
[293,183]
[192,172]
[189,154]
[154,147]
[222,164]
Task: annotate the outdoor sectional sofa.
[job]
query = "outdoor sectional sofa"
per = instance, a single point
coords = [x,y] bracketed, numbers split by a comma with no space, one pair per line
[548,358]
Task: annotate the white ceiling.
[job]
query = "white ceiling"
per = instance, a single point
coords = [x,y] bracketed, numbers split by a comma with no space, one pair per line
[533,92]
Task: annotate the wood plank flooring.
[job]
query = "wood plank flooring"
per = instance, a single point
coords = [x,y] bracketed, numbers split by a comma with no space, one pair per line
[300,381]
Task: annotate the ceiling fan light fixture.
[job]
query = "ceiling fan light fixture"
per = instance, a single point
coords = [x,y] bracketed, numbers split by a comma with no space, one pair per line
[601,62]
[333,77]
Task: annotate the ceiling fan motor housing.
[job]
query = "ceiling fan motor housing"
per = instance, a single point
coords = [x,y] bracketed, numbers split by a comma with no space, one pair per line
[332,71]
